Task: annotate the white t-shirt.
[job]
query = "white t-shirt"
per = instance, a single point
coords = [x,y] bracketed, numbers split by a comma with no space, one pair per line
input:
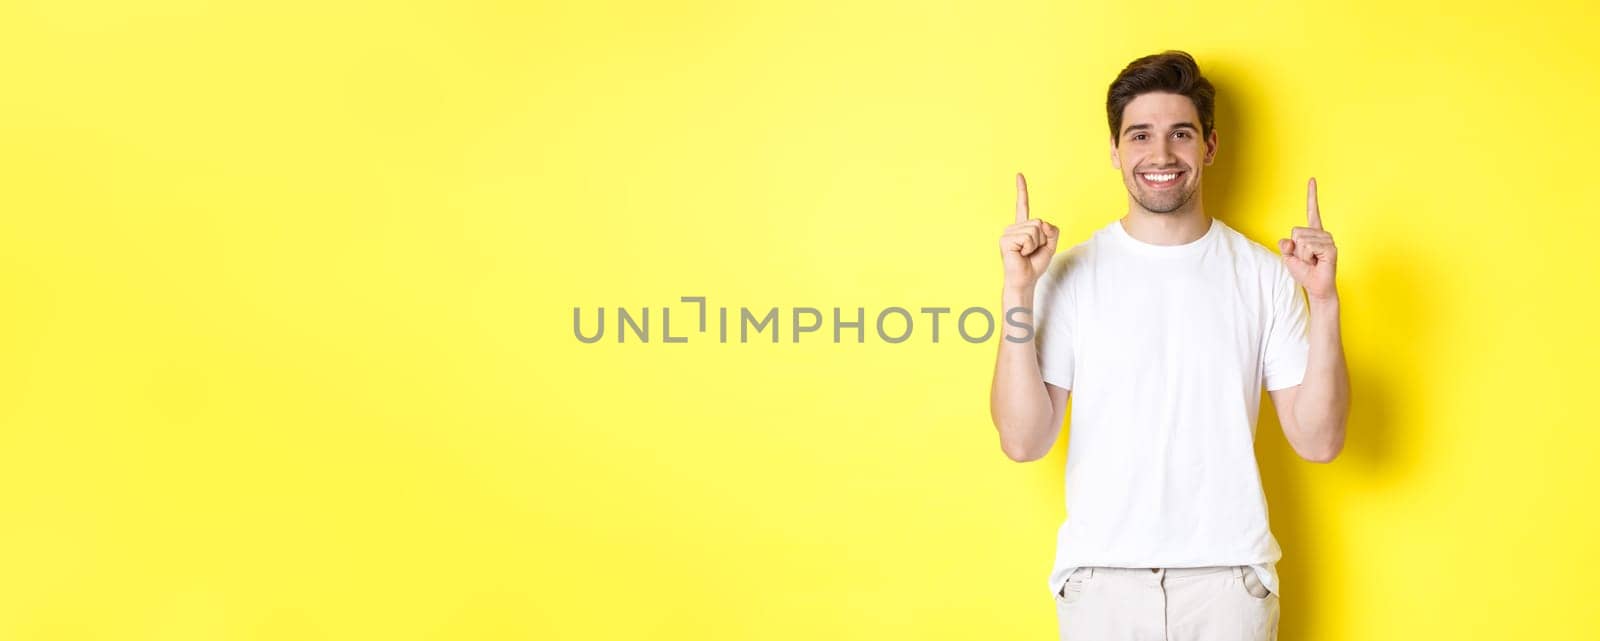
[1165,349]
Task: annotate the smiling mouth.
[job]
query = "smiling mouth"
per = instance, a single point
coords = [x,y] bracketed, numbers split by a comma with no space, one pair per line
[1160,180]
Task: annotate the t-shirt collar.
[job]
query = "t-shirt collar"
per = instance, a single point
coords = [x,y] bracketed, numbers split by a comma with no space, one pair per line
[1127,240]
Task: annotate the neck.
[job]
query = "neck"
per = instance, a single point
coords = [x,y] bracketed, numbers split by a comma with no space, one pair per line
[1176,228]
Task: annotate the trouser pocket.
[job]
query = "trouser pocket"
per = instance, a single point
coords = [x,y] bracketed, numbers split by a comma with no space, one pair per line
[1076,584]
[1253,585]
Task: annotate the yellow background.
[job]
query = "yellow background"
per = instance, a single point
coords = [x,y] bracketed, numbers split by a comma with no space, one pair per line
[288,288]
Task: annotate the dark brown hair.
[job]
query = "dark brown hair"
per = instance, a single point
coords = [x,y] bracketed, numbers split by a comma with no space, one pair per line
[1166,72]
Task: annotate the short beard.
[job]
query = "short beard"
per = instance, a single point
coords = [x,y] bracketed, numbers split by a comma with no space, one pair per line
[1177,205]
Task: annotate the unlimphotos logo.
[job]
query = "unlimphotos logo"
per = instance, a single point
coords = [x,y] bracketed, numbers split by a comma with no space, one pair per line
[893,324]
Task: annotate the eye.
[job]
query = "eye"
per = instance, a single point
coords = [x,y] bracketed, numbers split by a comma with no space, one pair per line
[1138,136]
[1181,134]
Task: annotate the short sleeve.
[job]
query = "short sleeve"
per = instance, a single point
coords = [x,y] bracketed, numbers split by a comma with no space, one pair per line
[1284,355]
[1054,307]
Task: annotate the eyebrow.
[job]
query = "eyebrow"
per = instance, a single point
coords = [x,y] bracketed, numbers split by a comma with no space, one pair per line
[1147,126]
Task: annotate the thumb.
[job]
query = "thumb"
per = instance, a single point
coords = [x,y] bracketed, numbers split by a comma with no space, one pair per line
[1297,267]
[1050,238]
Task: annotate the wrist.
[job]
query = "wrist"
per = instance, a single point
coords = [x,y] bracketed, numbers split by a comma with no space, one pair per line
[1011,290]
[1324,304]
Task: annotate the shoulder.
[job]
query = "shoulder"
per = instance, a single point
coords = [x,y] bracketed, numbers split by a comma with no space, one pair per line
[1071,263]
[1255,257]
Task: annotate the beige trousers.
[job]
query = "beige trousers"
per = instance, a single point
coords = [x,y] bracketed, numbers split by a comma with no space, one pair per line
[1219,603]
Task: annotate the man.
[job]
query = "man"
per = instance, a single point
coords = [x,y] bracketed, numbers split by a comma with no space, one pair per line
[1163,326]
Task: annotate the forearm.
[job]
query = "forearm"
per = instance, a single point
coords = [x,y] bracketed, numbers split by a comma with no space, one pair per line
[1019,404]
[1323,402]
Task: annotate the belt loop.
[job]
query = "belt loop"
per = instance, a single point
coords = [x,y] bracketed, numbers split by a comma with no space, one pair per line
[1238,572]
[1091,573]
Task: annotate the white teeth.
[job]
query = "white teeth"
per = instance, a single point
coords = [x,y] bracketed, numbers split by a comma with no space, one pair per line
[1160,178]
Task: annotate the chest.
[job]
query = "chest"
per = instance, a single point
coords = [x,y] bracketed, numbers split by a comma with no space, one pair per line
[1193,316]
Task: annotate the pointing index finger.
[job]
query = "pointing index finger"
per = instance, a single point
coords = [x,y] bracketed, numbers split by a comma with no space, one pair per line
[1022,199]
[1313,215]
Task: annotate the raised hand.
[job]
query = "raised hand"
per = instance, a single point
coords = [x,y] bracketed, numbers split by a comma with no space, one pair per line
[1309,252]
[1027,245]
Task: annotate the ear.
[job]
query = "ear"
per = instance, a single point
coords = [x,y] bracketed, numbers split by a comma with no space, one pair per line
[1116,160]
[1211,147]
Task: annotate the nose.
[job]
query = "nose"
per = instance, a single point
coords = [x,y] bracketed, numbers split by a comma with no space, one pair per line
[1163,153]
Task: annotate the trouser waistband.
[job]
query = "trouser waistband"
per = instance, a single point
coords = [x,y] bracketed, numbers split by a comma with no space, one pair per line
[1157,574]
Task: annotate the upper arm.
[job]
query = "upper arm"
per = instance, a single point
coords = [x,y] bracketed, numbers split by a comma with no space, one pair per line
[1283,403]
[1287,347]
[1054,309]
[1058,407]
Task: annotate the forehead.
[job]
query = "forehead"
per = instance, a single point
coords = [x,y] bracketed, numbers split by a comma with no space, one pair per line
[1161,110]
